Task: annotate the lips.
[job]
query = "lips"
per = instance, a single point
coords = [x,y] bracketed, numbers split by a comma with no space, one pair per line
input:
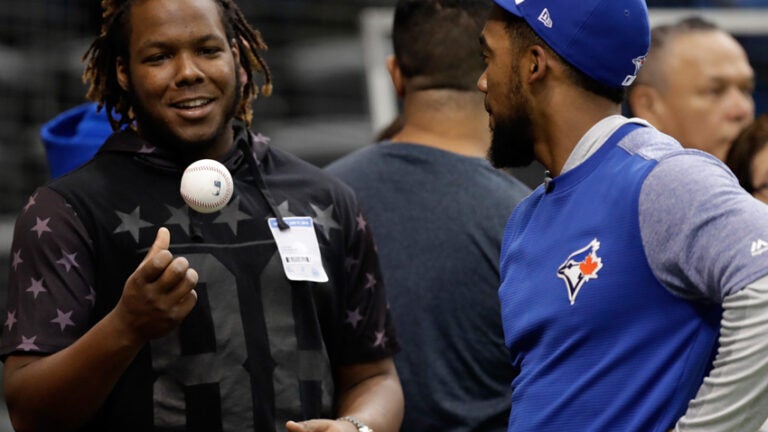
[193,109]
[192,103]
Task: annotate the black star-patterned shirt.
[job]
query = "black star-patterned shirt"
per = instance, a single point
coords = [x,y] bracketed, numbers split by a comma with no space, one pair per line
[257,349]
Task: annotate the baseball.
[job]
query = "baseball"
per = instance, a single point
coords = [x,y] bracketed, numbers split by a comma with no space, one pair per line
[206,186]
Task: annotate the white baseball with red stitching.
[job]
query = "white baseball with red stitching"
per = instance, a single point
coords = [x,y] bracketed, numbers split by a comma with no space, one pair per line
[206,186]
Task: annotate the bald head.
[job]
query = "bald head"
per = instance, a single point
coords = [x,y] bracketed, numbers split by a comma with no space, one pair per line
[696,85]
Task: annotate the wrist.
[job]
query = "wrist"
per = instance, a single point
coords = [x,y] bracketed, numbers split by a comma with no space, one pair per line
[122,331]
[361,427]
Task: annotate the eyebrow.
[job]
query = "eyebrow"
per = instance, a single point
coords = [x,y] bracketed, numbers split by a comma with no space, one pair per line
[198,41]
[720,79]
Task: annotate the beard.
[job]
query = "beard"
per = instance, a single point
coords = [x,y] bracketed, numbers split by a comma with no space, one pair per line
[512,143]
[512,140]
[156,132]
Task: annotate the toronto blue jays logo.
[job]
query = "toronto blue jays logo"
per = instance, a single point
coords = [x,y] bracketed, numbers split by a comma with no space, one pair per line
[579,268]
[638,62]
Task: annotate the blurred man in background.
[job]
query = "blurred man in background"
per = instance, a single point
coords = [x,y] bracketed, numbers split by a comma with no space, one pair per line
[438,210]
[696,85]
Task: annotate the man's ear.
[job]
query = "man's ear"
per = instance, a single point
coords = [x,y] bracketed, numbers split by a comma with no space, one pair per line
[538,62]
[396,74]
[123,78]
[646,102]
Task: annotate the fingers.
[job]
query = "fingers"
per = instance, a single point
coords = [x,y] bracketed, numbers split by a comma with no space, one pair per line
[157,259]
[292,426]
[315,426]
[184,293]
[164,275]
[159,294]
[162,242]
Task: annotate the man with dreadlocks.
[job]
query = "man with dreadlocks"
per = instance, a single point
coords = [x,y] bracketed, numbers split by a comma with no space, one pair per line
[111,326]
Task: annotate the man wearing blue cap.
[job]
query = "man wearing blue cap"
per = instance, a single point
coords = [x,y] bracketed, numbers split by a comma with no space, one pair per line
[638,268]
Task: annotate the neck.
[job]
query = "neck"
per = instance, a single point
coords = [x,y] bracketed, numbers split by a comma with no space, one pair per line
[450,120]
[186,150]
[562,125]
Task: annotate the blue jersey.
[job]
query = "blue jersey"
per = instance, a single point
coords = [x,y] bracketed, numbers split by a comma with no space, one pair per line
[601,344]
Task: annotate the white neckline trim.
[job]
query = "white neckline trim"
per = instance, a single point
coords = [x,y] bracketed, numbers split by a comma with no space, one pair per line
[595,137]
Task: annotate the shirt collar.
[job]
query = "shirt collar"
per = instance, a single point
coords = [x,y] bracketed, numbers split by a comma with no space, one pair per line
[595,138]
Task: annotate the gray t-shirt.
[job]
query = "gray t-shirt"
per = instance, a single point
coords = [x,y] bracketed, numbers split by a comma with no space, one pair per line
[438,219]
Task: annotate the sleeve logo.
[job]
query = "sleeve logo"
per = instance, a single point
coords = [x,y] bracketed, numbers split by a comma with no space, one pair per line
[759,247]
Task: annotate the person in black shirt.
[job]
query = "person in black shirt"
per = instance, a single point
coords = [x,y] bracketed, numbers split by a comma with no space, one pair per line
[128,310]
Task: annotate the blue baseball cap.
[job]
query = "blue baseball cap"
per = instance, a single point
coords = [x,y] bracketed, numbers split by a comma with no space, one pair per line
[73,137]
[606,39]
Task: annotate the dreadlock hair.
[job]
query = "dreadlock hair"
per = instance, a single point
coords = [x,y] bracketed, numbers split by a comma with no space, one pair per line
[521,31]
[101,57]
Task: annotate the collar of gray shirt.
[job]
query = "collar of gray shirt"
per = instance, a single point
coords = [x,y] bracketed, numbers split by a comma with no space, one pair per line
[596,137]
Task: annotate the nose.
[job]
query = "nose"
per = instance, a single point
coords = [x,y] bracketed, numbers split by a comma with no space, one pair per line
[482,82]
[741,106]
[187,70]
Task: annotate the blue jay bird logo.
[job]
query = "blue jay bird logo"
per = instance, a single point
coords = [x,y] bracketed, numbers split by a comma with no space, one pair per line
[579,268]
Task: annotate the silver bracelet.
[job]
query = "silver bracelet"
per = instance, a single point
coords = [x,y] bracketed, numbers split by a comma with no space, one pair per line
[361,427]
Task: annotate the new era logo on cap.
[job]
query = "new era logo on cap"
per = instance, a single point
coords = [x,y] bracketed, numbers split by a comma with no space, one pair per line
[605,39]
[545,19]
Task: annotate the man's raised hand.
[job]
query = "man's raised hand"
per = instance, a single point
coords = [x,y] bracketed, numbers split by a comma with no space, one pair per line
[159,294]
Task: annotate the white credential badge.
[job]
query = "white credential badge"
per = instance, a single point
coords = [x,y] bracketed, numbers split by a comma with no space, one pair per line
[299,250]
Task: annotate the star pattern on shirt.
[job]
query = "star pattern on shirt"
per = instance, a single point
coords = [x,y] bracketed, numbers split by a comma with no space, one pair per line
[10,320]
[324,219]
[350,262]
[353,317]
[17,259]
[36,287]
[361,223]
[91,297]
[131,223]
[41,226]
[180,217]
[370,283]
[231,215]
[284,209]
[146,148]
[381,339]
[27,344]
[63,319]
[68,260]
[30,203]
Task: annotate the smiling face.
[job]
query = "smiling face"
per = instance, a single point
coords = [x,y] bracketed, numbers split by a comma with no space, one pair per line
[509,115]
[182,74]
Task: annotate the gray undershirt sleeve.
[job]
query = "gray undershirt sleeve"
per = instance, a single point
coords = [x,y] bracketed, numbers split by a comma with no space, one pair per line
[706,239]
[734,397]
